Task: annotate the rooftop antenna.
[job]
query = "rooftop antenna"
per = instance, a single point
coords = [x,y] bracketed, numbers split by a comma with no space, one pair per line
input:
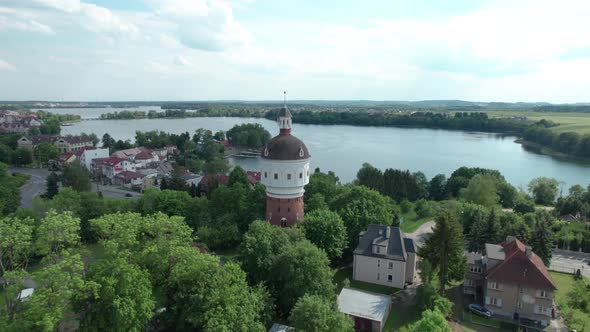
[285,99]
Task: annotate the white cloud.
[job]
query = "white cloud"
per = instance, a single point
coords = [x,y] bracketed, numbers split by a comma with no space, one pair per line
[6,66]
[202,24]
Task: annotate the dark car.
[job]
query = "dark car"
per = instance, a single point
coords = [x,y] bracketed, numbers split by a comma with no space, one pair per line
[480,310]
[128,195]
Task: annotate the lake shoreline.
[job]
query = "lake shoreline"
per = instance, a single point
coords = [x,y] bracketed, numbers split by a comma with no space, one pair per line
[543,150]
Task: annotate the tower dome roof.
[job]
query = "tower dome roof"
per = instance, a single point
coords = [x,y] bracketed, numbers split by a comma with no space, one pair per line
[285,147]
[284,112]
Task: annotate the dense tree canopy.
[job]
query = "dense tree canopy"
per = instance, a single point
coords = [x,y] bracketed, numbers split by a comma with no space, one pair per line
[326,230]
[314,313]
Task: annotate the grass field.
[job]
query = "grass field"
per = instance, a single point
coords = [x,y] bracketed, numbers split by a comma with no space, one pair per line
[565,282]
[576,122]
[411,222]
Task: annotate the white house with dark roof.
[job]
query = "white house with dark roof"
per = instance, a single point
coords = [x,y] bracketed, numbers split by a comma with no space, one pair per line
[384,256]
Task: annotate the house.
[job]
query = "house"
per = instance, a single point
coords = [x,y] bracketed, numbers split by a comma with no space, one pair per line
[87,154]
[212,181]
[64,159]
[109,167]
[72,143]
[30,142]
[369,311]
[129,179]
[512,281]
[15,122]
[384,256]
[253,177]
[129,153]
[145,158]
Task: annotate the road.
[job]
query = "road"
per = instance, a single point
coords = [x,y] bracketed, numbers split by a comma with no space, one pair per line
[421,234]
[35,186]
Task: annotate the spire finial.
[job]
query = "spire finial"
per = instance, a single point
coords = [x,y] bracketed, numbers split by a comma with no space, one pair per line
[285,98]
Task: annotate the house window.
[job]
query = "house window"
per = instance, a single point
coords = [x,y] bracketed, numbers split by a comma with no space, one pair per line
[492,285]
[279,209]
[378,276]
[276,176]
[378,249]
[390,278]
[301,175]
[475,269]
[288,176]
[289,209]
[495,301]
[391,265]
[519,305]
[265,175]
[542,293]
[378,261]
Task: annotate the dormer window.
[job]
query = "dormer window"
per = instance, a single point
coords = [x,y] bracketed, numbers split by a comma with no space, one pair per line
[266,152]
[301,152]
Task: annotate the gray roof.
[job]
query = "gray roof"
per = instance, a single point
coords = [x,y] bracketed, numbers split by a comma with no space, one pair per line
[358,303]
[285,147]
[376,234]
[276,327]
[409,244]
[473,257]
[494,251]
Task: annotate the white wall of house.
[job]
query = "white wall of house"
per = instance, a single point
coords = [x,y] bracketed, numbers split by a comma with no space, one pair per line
[89,155]
[381,271]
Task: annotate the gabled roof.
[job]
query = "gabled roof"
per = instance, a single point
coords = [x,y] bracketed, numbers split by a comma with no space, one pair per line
[144,155]
[130,175]
[112,161]
[377,234]
[81,151]
[520,268]
[76,139]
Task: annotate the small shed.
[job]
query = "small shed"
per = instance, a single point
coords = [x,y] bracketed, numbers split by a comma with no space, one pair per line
[368,310]
[276,327]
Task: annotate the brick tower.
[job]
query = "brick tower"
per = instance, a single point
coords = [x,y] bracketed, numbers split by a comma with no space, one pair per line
[284,172]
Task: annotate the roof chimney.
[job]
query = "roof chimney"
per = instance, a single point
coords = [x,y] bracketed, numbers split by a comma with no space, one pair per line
[528,251]
[387,232]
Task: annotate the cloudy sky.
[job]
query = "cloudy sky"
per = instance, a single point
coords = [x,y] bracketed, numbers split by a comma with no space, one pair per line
[90,50]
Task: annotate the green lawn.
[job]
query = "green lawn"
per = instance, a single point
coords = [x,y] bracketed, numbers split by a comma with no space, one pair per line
[411,222]
[576,319]
[576,122]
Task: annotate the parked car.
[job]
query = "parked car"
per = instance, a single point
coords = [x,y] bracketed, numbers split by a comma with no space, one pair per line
[480,310]
[128,195]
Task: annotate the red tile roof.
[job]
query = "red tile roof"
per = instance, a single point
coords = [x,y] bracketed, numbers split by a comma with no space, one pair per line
[144,155]
[519,268]
[130,175]
[112,161]
[253,177]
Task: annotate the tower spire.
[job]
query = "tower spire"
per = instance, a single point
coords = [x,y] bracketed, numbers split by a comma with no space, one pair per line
[285,98]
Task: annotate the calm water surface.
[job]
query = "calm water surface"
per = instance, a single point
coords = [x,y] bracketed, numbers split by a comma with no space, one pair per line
[343,149]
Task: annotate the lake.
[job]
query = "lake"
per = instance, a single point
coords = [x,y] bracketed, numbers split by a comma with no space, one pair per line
[343,149]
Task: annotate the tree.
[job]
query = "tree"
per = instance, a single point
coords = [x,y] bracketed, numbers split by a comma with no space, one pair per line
[481,190]
[316,202]
[523,204]
[170,202]
[16,236]
[301,268]
[122,298]
[323,183]
[22,157]
[52,185]
[359,207]
[542,239]
[544,190]
[238,175]
[44,152]
[202,295]
[57,285]
[9,190]
[370,176]
[326,230]
[107,141]
[216,166]
[314,313]
[432,321]
[260,246]
[436,187]
[56,233]
[76,176]
[444,249]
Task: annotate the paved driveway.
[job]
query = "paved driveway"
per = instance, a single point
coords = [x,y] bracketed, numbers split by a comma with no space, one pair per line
[35,186]
[421,234]
[569,261]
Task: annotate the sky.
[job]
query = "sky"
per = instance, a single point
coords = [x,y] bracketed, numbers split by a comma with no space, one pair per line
[120,50]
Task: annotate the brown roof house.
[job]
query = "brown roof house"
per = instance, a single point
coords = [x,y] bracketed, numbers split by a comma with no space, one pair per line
[384,256]
[512,281]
